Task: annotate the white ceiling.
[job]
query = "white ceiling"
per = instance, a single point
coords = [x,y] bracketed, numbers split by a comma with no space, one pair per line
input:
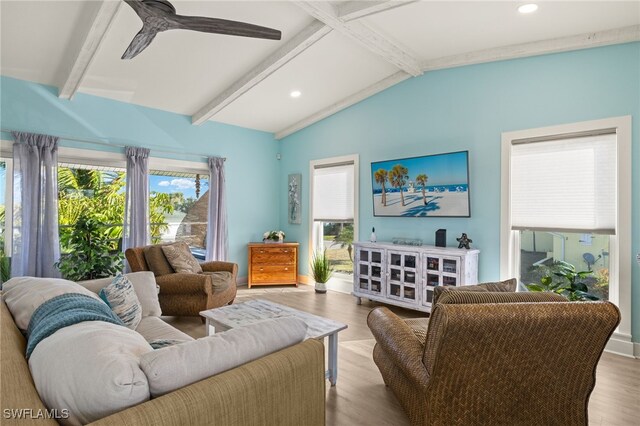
[183,71]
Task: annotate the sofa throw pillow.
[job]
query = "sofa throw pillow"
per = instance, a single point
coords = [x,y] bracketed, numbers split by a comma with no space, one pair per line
[181,259]
[176,366]
[23,295]
[123,301]
[91,369]
[157,261]
[144,284]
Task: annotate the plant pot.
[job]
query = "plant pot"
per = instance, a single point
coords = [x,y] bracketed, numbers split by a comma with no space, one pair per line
[320,287]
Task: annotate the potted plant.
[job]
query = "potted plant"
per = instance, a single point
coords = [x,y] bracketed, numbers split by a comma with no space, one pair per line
[273,237]
[321,270]
[568,282]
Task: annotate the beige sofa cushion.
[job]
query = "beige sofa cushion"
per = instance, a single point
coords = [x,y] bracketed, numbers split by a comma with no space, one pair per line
[173,367]
[181,259]
[157,261]
[92,369]
[154,328]
[23,295]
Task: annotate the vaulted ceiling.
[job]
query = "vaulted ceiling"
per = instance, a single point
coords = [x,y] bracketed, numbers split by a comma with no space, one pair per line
[334,53]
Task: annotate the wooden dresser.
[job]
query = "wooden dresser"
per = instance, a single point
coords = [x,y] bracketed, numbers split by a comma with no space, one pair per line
[273,264]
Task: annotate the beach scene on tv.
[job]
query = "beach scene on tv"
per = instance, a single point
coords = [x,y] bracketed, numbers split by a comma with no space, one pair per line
[434,185]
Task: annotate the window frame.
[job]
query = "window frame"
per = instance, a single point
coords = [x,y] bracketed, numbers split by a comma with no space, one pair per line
[91,157]
[619,244]
[328,162]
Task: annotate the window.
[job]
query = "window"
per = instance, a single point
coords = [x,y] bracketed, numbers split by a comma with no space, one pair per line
[179,208]
[566,195]
[6,217]
[334,224]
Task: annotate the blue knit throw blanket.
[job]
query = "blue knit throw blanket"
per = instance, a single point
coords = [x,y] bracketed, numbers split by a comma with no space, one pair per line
[63,311]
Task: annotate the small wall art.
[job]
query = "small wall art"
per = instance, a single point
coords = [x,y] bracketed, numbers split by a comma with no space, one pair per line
[295,204]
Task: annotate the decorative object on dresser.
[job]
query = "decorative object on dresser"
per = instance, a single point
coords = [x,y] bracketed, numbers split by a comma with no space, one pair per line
[273,237]
[407,275]
[441,238]
[321,270]
[464,241]
[294,187]
[273,264]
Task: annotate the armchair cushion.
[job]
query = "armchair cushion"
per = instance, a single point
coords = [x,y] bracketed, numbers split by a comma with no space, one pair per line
[180,258]
[181,283]
[157,261]
[509,285]
[220,280]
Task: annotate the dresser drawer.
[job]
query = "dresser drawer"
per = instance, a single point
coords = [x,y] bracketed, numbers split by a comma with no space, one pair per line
[273,274]
[273,259]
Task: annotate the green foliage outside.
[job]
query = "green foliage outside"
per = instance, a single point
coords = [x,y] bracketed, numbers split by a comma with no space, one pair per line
[340,251]
[91,255]
[562,278]
[344,239]
[5,261]
[94,200]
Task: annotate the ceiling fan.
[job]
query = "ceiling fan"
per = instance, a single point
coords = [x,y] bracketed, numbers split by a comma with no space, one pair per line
[160,15]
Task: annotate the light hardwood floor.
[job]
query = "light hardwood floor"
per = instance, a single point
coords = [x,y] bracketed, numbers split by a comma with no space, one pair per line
[360,397]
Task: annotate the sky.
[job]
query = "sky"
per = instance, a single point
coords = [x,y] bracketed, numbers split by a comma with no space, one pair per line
[442,169]
[171,184]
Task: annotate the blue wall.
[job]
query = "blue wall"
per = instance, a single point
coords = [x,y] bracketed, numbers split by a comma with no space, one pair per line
[252,168]
[468,108]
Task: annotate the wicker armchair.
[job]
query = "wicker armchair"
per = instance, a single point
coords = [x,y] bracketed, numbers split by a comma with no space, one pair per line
[183,294]
[488,359]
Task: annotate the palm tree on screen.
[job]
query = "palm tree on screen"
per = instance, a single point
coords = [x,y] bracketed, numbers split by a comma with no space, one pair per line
[381,176]
[421,180]
[398,178]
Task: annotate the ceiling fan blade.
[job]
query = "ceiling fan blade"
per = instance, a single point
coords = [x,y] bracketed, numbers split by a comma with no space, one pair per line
[221,26]
[139,43]
[141,10]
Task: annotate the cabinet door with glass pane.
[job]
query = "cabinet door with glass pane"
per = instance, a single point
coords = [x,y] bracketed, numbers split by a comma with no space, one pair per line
[370,271]
[403,276]
[439,271]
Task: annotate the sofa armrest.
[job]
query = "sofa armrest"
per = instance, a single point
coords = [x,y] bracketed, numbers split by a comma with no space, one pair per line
[184,283]
[266,391]
[216,266]
[399,342]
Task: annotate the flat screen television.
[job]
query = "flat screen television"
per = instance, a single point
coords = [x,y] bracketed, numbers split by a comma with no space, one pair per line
[427,186]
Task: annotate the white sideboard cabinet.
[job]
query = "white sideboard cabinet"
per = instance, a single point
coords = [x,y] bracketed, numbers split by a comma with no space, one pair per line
[406,275]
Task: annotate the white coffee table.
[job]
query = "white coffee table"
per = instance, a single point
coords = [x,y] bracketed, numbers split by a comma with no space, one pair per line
[252,311]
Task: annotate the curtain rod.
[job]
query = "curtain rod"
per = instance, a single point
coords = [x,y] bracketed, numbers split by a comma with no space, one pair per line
[95,142]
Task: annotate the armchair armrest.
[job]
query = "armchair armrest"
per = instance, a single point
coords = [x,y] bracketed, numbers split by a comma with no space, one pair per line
[399,342]
[184,283]
[215,266]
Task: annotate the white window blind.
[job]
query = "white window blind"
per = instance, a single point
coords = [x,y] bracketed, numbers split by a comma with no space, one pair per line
[564,185]
[333,193]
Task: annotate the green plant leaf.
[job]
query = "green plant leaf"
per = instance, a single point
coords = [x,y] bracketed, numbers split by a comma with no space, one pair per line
[534,287]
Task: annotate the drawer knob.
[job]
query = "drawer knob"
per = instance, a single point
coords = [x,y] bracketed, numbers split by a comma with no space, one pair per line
[261,251]
[285,251]
[286,269]
[262,269]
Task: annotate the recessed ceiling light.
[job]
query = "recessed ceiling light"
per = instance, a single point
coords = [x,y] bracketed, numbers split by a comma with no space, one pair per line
[295,94]
[528,8]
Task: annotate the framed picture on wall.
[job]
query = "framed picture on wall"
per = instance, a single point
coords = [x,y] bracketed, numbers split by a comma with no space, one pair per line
[294,204]
[428,186]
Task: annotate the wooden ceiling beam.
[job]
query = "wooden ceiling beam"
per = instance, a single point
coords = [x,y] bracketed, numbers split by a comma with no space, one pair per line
[536,48]
[371,39]
[350,10]
[292,48]
[87,50]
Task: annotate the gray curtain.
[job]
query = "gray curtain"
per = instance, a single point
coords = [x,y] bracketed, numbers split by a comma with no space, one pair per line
[136,208]
[36,245]
[217,234]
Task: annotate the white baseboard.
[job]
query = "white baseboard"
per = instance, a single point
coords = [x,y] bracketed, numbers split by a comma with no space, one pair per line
[621,344]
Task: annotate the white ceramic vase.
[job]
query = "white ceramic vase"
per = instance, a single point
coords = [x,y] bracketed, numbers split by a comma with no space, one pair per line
[320,287]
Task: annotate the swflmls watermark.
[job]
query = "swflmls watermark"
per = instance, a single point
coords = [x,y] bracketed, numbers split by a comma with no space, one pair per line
[31,413]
